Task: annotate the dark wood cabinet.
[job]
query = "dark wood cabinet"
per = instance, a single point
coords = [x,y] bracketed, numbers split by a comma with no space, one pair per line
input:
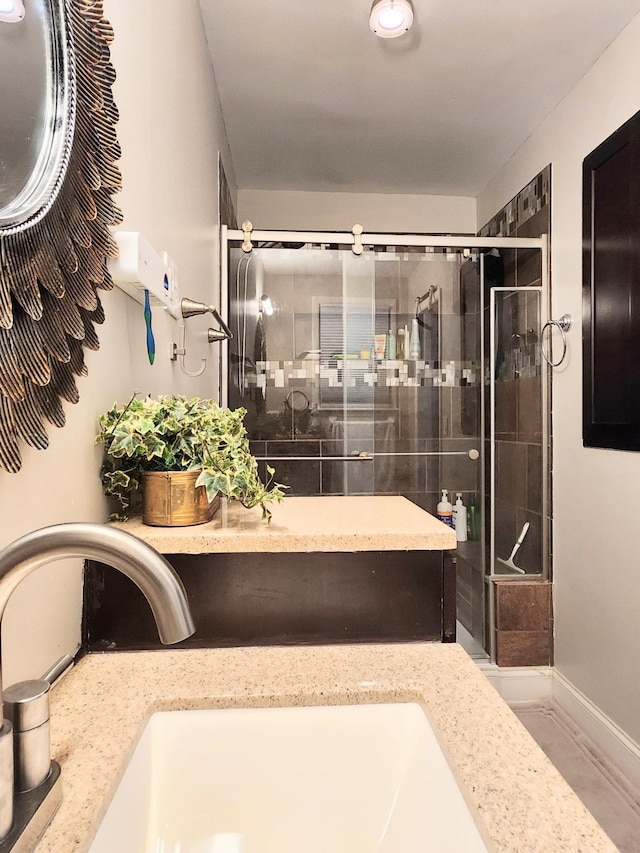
[253,599]
[611,291]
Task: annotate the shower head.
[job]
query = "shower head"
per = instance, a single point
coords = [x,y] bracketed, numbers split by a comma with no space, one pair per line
[191,308]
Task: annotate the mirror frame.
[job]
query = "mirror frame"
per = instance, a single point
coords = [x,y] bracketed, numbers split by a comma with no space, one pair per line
[51,270]
[34,199]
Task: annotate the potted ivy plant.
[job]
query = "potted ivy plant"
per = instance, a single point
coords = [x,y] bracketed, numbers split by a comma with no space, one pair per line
[199,446]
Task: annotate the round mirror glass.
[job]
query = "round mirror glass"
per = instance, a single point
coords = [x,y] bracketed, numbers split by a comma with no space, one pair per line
[36,108]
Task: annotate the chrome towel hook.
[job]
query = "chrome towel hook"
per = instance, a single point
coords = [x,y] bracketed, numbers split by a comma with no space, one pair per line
[191,308]
[563,325]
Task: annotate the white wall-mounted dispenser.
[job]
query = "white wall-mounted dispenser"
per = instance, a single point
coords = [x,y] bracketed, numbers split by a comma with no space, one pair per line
[140,268]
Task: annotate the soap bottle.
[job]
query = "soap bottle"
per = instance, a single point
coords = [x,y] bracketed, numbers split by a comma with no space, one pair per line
[444,510]
[414,342]
[473,519]
[390,350]
[460,518]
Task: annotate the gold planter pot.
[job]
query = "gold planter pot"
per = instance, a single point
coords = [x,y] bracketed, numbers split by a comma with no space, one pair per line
[171,499]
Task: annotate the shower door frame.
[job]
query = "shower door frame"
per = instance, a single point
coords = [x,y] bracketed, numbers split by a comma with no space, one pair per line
[459,241]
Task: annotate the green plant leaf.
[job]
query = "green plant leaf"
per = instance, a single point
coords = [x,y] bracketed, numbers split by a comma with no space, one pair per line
[176,433]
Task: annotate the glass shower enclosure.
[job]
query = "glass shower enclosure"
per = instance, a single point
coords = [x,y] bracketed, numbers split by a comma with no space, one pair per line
[409,367]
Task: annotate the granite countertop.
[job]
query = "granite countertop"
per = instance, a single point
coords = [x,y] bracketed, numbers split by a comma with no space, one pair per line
[303,524]
[99,708]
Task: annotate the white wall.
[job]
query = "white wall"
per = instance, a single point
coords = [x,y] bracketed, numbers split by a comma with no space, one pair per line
[170,131]
[318,211]
[595,505]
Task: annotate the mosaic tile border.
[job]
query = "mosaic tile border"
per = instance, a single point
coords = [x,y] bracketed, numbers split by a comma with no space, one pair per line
[340,373]
[531,199]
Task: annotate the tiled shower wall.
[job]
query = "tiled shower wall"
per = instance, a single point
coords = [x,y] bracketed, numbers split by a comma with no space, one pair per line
[421,390]
[523,606]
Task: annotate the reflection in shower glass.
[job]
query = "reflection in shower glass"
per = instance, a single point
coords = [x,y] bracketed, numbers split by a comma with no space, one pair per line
[330,310]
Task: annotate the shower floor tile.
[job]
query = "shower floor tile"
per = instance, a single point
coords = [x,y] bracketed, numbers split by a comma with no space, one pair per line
[609,797]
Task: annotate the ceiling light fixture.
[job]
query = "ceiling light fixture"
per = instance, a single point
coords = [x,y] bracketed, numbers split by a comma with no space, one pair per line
[11,11]
[390,18]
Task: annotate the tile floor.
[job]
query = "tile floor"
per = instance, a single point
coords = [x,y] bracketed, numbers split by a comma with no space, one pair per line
[611,800]
[609,797]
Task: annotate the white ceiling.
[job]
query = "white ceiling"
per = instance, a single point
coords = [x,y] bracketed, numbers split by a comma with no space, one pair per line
[312,100]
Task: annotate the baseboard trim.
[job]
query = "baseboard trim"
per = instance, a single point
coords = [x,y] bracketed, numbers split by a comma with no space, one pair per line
[519,684]
[544,684]
[605,735]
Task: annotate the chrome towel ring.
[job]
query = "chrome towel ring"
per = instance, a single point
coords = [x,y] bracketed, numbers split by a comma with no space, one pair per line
[563,325]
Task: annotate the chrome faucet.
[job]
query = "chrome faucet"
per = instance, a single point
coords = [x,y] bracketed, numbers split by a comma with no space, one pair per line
[150,571]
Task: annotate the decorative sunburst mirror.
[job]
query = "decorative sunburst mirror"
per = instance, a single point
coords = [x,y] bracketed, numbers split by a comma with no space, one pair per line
[58,176]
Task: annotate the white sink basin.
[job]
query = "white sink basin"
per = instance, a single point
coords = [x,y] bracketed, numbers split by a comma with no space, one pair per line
[334,779]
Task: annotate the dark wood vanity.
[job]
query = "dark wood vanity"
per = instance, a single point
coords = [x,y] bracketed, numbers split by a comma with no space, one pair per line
[309,577]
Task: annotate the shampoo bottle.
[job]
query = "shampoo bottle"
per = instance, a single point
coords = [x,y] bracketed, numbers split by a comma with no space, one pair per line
[444,510]
[460,518]
[401,344]
[414,342]
[473,525]
[390,350]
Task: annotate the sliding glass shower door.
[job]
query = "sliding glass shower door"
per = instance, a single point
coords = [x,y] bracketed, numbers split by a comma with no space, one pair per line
[388,373]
